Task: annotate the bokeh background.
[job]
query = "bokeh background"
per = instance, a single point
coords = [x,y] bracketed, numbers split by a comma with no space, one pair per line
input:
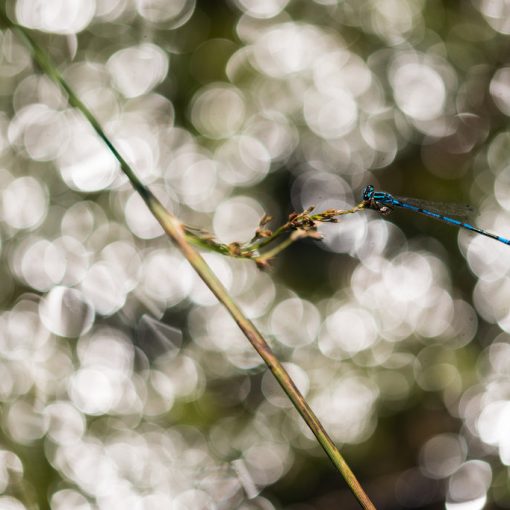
[123,383]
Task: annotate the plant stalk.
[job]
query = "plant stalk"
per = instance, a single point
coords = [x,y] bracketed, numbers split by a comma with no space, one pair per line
[175,230]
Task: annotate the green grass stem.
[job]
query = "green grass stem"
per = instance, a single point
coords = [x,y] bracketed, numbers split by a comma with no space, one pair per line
[176,231]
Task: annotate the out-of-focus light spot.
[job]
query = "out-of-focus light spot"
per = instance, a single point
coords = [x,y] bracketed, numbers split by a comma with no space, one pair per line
[139,218]
[348,330]
[241,355]
[213,329]
[24,423]
[502,189]
[496,152]
[267,462]
[262,8]
[353,398]
[442,455]
[470,406]
[93,391]
[39,263]
[392,20]
[166,278]
[341,70]
[138,141]
[375,236]
[193,176]
[8,385]
[110,10]
[476,504]
[295,322]
[486,259]
[408,277]
[467,487]
[68,498]
[322,190]
[201,294]
[257,297]
[85,463]
[11,503]
[4,123]
[500,89]
[105,287]
[464,325]
[66,312]
[239,63]
[106,348]
[185,376]
[137,70]
[377,132]
[21,332]
[330,115]
[156,501]
[76,258]
[437,318]
[106,357]
[86,164]
[24,203]
[289,48]
[419,89]
[14,58]
[11,469]
[237,219]
[132,396]
[496,13]
[128,451]
[124,256]
[42,264]
[491,298]
[347,236]
[91,81]
[404,280]
[246,276]
[224,485]
[80,219]
[499,357]
[366,281]
[152,114]
[41,130]
[275,131]
[193,498]
[470,129]
[59,16]
[493,425]
[160,394]
[273,391]
[218,110]
[170,14]
[244,161]
[65,424]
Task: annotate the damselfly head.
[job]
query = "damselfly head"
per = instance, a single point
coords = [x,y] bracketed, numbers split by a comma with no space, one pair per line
[368,193]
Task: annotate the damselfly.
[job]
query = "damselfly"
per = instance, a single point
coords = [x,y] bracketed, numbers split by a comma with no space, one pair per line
[385,203]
